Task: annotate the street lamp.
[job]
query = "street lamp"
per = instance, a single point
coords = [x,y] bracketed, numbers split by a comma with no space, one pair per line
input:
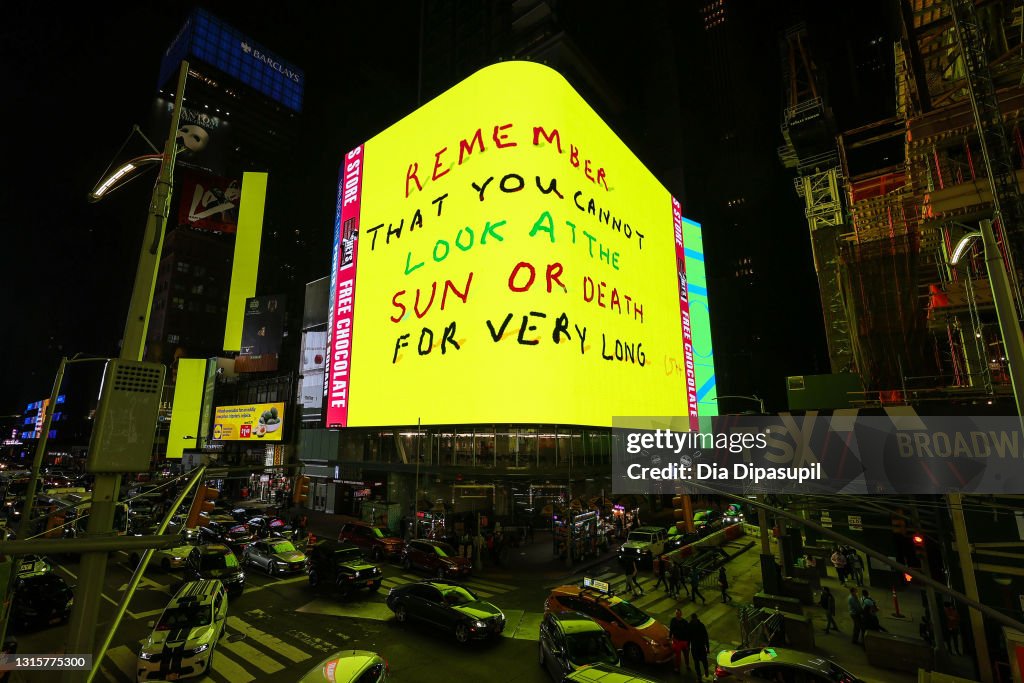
[1003,297]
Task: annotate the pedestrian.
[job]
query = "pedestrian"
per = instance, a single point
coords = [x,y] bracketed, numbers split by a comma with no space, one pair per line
[674,577]
[479,546]
[869,615]
[723,583]
[245,493]
[828,603]
[855,567]
[952,629]
[856,610]
[466,542]
[662,566]
[632,578]
[679,630]
[700,646]
[695,586]
[839,562]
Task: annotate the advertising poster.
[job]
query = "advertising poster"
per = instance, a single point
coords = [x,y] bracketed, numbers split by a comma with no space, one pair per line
[208,202]
[501,258]
[253,421]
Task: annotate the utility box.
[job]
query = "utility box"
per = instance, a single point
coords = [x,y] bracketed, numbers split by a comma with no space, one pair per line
[126,417]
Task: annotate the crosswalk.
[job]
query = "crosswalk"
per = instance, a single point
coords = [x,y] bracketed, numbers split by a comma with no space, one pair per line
[257,655]
[657,604]
[482,587]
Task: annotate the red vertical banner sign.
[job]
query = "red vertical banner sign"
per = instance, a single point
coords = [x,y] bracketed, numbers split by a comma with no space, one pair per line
[343,290]
[684,317]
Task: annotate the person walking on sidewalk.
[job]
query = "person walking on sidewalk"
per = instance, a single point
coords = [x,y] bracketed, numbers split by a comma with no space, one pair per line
[674,579]
[723,583]
[856,609]
[869,616]
[679,630]
[839,562]
[828,603]
[700,646]
[695,586]
[855,566]
[662,573]
[952,629]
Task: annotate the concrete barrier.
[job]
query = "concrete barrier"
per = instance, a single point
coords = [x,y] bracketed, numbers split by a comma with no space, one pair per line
[809,574]
[794,587]
[898,653]
[779,602]
[799,631]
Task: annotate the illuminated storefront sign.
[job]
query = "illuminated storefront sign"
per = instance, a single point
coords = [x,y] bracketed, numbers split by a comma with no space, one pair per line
[255,421]
[504,258]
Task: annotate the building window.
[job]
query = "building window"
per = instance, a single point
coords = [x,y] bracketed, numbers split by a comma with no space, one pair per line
[197,289]
[173,339]
[182,267]
[199,271]
[178,302]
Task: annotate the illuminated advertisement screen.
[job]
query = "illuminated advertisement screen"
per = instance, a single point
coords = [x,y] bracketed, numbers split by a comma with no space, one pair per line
[504,258]
[253,421]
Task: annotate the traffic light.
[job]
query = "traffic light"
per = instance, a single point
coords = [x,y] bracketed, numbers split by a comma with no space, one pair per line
[301,494]
[683,513]
[203,503]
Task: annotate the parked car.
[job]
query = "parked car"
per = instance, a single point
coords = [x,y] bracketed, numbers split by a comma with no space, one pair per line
[707,522]
[226,531]
[677,539]
[636,633]
[170,559]
[341,565]
[380,542]
[185,636]
[449,607]
[569,641]
[733,514]
[436,558]
[643,545]
[216,561]
[41,600]
[776,664]
[276,556]
[349,666]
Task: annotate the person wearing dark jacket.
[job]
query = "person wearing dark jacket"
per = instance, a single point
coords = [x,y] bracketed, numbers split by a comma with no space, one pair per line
[700,645]
[828,603]
[679,629]
[723,583]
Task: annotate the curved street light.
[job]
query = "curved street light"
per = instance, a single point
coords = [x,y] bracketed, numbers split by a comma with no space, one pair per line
[124,173]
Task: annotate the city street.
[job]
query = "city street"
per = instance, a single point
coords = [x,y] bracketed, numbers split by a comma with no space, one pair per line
[288,627]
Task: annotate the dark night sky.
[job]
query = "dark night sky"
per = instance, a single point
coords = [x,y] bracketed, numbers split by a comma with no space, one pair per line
[78,76]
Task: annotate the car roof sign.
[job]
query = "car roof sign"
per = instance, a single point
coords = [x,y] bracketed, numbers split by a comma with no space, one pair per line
[594,584]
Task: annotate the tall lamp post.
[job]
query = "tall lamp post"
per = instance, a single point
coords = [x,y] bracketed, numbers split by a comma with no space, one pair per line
[1003,297]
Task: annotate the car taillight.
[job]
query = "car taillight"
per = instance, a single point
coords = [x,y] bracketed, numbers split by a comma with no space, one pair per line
[720,672]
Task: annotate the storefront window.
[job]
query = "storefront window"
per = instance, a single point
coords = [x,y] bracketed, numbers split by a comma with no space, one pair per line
[464,448]
[485,449]
[527,447]
[505,448]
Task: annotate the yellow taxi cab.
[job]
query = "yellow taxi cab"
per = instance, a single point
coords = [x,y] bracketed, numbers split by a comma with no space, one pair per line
[636,633]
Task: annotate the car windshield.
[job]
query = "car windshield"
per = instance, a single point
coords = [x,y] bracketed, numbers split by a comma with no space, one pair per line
[629,614]
[282,547]
[184,617]
[277,523]
[742,654]
[238,532]
[347,555]
[592,647]
[639,537]
[443,550]
[384,533]
[458,596]
[217,561]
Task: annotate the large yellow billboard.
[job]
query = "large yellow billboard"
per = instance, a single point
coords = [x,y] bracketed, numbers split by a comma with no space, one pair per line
[253,421]
[500,256]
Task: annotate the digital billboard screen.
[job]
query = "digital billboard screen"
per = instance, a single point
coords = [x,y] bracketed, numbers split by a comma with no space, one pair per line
[251,421]
[500,256]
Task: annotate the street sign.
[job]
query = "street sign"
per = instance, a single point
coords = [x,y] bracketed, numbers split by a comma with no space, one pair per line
[826,519]
[855,523]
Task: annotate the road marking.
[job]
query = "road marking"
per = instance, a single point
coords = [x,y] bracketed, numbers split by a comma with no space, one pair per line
[250,654]
[377,611]
[667,603]
[713,613]
[147,583]
[146,615]
[267,640]
[230,669]
[491,585]
[294,579]
[125,660]
[522,625]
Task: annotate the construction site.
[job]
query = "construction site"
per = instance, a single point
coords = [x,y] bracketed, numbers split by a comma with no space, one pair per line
[888,203]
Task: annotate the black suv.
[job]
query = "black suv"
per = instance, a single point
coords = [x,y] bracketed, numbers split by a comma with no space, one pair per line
[331,563]
[216,561]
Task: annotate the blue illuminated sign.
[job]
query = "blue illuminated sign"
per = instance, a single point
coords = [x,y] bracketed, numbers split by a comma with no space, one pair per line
[206,38]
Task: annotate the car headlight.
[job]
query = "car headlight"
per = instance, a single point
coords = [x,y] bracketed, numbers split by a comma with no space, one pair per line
[479,624]
[196,650]
[280,563]
[147,655]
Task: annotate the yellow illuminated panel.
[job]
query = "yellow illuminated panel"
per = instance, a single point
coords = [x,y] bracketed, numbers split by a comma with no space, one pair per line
[516,263]
[246,262]
[188,400]
[258,421]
